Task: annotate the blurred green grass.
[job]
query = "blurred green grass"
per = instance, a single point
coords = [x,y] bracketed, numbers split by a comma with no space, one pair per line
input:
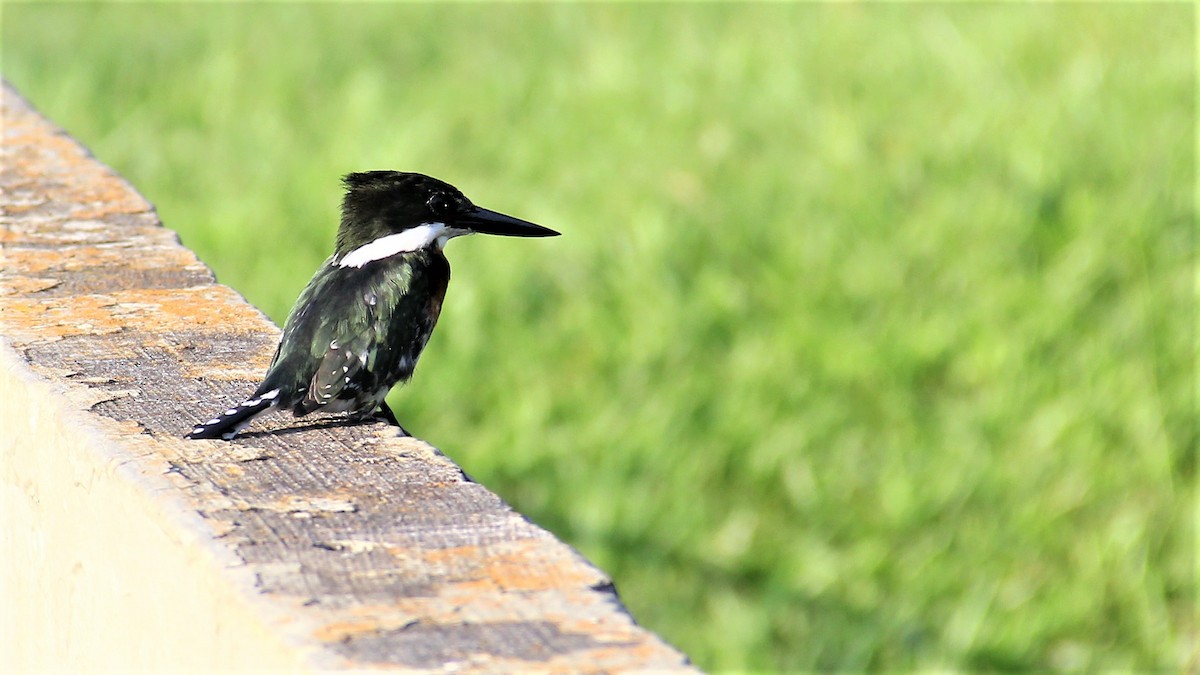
[869,343]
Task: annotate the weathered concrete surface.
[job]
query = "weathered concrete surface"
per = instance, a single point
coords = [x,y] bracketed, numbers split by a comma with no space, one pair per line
[303,544]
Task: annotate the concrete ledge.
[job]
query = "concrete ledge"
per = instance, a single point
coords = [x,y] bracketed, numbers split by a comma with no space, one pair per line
[302,545]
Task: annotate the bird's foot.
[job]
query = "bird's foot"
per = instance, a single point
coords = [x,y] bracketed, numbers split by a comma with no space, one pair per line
[385,413]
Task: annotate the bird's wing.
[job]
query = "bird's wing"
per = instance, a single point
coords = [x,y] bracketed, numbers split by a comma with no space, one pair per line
[351,344]
[353,330]
[326,342]
[359,335]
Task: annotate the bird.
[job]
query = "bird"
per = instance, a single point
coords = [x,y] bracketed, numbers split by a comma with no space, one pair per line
[363,320]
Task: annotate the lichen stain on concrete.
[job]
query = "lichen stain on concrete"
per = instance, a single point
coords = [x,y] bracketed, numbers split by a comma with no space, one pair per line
[339,631]
[145,310]
[596,636]
[297,504]
[26,285]
[86,186]
[514,566]
[230,454]
[51,227]
[352,546]
[35,262]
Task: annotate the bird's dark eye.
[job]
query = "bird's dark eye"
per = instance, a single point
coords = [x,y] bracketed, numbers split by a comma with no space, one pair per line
[441,204]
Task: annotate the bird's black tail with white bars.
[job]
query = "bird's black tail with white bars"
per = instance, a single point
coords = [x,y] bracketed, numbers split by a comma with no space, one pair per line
[229,423]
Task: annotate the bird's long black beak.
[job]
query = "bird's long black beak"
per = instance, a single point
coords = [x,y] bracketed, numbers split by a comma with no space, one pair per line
[484,221]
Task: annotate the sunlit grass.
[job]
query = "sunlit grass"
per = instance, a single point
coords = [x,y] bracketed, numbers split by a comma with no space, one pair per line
[868,343]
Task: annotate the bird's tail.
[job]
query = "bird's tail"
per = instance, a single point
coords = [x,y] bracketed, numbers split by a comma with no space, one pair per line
[227,424]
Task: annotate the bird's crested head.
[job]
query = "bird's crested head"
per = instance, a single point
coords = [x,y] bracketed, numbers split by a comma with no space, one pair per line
[390,212]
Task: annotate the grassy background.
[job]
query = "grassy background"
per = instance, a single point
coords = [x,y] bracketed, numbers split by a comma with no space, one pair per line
[869,343]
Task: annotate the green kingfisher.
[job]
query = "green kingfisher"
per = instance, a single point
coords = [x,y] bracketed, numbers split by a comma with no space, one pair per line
[360,325]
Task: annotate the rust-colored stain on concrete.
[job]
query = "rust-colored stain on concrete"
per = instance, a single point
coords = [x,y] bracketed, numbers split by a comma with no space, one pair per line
[516,566]
[89,189]
[26,285]
[214,308]
[40,261]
